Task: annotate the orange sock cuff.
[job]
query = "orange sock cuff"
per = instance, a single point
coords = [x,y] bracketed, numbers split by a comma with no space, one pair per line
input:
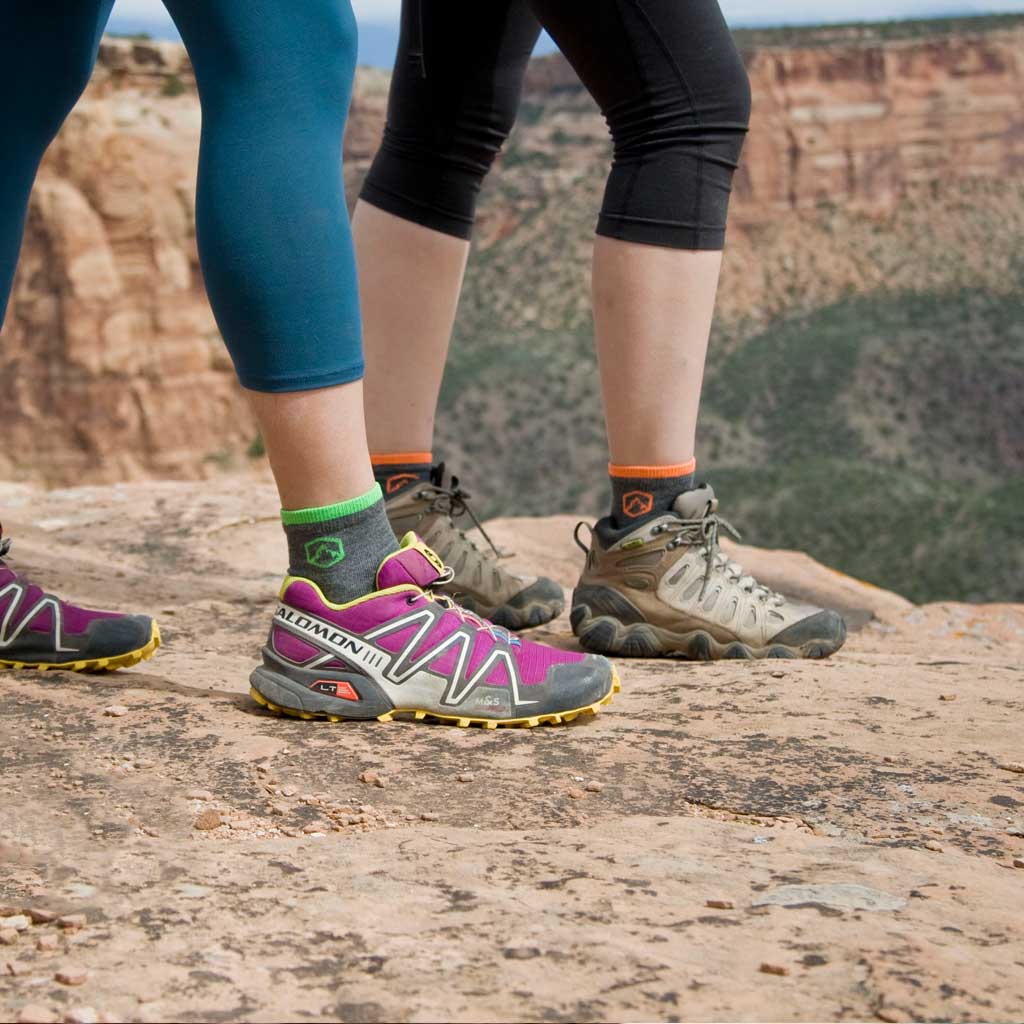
[652,472]
[401,458]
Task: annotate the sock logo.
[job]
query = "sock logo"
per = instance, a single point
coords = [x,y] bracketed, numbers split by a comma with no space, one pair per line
[398,481]
[324,552]
[637,503]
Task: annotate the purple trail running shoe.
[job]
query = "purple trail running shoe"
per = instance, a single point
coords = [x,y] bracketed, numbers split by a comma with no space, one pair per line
[40,631]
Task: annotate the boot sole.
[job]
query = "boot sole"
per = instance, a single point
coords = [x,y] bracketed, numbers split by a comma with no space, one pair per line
[463,721]
[537,613]
[94,664]
[603,634]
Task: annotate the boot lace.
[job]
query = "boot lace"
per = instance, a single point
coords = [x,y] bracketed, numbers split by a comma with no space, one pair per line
[454,502]
[703,532]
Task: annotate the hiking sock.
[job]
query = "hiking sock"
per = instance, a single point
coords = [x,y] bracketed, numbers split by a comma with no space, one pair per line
[398,471]
[640,493]
[340,547]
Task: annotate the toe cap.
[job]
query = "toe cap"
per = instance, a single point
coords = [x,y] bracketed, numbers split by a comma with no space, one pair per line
[825,628]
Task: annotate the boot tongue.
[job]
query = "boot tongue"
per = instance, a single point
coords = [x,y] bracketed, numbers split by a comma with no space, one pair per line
[414,563]
[695,504]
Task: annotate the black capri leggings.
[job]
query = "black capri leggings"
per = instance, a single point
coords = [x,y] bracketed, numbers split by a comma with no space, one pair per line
[665,74]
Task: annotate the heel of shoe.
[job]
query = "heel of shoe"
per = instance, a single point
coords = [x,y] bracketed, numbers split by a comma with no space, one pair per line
[308,693]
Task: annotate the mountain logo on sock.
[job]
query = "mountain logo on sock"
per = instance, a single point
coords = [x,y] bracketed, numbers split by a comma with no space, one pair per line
[637,503]
[323,552]
[398,481]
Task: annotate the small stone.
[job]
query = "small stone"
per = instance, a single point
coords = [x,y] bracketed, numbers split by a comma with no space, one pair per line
[71,975]
[933,846]
[199,794]
[947,696]
[465,777]
[1018,862]
[368,777]
[82,1015]
[777,674]
[40,916]
[208,820]
[288,790]
[594,787]
[429,816]
[777,969]
[521,952]
[575,793]
[34,1013]
[17,923]
[72,922]
[720,904]
[313,828]
[1013,766]
[47,943]
[277,809]
[8,936]
[115,711]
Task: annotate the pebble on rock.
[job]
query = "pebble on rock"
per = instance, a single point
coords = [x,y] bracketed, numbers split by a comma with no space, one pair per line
[18,923]
[720,904]
[71,975]
[575,793]
[1013,766]
[1018,862]
[947,696]
[933,846]
[776,969]
[71,922]
[47,943]
[33,1013]
[115,711]
[594,787]
[82,1015]
[465,777]
[199,794]
[40,916]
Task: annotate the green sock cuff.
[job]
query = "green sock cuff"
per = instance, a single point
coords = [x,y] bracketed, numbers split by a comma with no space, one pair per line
[327,512]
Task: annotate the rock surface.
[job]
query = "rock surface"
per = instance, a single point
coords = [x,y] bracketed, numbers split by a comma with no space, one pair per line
[803,794]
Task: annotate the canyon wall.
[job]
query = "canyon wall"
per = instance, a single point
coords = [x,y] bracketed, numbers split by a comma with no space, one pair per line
[111,365]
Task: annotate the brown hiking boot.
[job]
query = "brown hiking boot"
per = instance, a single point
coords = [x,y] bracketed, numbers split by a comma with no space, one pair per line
[666,589]
[480,583]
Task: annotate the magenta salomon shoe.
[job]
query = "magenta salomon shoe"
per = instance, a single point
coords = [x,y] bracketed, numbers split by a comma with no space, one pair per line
[39,630]
[406,649]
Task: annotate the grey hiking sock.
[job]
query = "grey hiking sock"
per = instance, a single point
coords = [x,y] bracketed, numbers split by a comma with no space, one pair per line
[640,493]
[340,547]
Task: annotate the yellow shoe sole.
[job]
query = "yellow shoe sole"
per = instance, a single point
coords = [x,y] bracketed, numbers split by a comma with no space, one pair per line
[95,664]
[462,721]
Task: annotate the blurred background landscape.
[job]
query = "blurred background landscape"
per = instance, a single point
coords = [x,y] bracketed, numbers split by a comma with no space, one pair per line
[865,394]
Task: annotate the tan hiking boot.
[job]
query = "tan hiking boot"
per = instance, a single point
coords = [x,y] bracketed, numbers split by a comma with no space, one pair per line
[666,589]
[480,583]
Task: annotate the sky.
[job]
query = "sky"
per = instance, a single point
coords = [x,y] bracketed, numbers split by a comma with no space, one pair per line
[378,31]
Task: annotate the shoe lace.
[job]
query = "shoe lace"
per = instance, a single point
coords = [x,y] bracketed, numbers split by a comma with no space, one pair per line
[478,623]
[454,502]
[703,532]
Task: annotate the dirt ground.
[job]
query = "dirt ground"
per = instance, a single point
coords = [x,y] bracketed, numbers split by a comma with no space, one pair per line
[770,841]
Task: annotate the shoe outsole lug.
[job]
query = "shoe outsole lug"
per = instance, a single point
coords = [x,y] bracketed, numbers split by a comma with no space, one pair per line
[111,664]
[461,721]
[604,635]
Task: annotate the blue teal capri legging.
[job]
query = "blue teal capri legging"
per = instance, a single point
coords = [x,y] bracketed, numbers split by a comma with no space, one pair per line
[275,80]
